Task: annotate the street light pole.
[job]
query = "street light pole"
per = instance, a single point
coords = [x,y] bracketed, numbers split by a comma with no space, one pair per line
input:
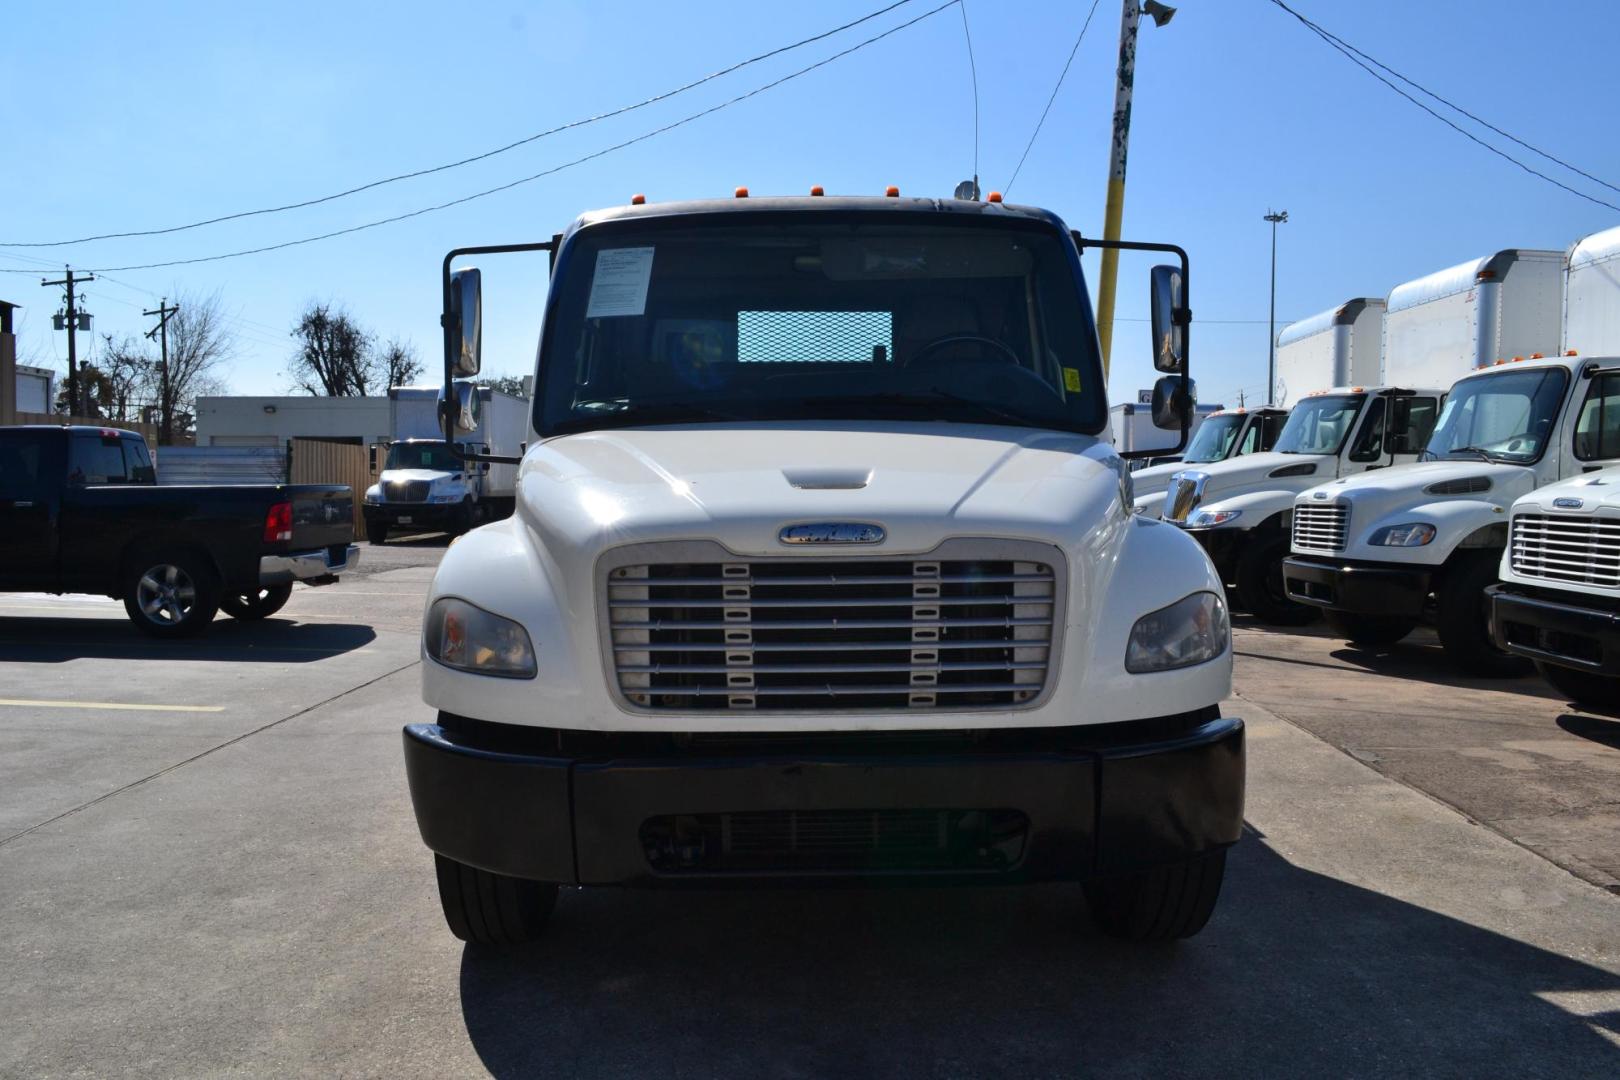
[1276,218]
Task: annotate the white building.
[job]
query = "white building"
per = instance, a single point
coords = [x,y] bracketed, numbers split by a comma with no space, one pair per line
[271,421]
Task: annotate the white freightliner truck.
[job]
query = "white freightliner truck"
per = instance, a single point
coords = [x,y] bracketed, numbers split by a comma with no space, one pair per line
[424,486]
[1225,434]
[1381,552]
[823,567]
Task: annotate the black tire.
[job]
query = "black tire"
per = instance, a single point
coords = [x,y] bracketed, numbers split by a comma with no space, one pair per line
[1161,904]
[1260,587]
[491,909]
[261,604]
[171,594]
[466,517]
[1463,618]
[376,532]
[1373,630]
[1585,688]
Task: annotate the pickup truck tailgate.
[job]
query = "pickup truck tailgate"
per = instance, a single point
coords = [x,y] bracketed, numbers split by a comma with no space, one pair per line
[323,515]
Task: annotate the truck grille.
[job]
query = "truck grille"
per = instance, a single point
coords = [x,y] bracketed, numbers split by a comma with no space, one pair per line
[1183,496]
[406,491]
[971,627]
[1320,527]
[1562,547]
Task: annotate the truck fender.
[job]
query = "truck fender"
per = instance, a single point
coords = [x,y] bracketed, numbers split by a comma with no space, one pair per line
[1460,524]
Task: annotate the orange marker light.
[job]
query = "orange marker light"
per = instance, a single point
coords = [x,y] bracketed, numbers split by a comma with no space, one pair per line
[742,193]
[816,190]
[1518,359]
[892,192]
[637,200]
[995,196]
[1571,352]
[1537,356]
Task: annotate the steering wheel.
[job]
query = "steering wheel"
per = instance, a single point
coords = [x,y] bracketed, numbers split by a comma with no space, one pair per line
[1004,350]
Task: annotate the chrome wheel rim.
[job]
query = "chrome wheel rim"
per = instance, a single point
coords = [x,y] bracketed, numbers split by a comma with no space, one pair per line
[166,594]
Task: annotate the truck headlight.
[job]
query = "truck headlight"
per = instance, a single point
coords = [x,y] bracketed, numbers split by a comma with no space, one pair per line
[1412,534]
[372,496]
[1208,519]
[460,635]
[1190,631]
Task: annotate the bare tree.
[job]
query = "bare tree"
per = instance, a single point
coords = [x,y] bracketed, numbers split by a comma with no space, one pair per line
[334,354]
[399,363]
[199,341]
[507,384]
[126,370]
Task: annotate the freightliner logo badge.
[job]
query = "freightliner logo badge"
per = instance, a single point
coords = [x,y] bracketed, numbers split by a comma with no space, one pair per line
[832,532]
[1568,504]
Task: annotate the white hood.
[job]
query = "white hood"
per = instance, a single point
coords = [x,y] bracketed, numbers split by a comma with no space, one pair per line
[430,475]
[1239,475]
[1597,492]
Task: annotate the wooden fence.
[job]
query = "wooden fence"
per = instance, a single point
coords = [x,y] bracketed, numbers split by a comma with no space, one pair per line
[148,431]
[318,461]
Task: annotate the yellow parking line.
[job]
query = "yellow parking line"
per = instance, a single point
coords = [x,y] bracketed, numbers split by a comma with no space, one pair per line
[29,703]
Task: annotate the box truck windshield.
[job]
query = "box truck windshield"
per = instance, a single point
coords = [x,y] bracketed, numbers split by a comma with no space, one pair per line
[1213,439]
[826,320]
[422,455]
[1502,417]
[1319,425]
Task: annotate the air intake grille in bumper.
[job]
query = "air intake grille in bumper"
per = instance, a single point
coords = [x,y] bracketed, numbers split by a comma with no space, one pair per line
[1320,527]
[971,626]
[1564,547]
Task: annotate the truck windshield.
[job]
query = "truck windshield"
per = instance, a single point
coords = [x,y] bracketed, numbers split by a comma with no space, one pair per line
[1214,439]
[819,316]
[1500,416]
[1319,425]
[422,455]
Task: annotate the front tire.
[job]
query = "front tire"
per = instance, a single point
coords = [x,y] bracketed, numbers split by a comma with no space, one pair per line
[491,909]
[376,532]
[1369,630]
[1260,587]
[1161,904]
[259,604]
[171,594]
[1464,618]
[1584,688]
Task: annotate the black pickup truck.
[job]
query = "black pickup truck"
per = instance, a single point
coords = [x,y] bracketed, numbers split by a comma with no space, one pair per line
[81,512]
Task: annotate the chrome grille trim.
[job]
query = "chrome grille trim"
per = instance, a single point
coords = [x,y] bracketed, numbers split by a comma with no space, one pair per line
[690,626]
[1564,547]
[407,491]
[1321,526]
[1182,497]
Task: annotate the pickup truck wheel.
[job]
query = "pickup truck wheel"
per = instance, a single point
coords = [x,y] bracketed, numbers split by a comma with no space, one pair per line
[492,909]
[1584,688]
[260,604]
[376,532]
[1463,618]
[171,594]
[1260,588]
[1161,904]
[1374,630]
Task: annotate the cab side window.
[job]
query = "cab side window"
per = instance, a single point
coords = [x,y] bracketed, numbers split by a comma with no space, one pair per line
[1421,415]
[1597,429]
[94,460]
[1251,437]
[20,456]
[1369,444]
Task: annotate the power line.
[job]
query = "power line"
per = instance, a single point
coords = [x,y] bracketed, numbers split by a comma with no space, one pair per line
[1063,75]
[973,69]
[1355,57]
[665,96]
[536,176]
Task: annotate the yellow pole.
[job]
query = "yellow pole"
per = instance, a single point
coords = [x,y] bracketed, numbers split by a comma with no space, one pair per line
[1115,210]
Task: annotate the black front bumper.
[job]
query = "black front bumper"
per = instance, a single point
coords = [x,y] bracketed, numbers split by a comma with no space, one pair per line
[1063,804]
[1556,631]
[1356,587]
[427,516]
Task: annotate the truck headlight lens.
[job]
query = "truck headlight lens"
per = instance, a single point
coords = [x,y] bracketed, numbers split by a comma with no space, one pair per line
[459,635]
[1190,631]
[1413,534]
[1208,519]
[372,497]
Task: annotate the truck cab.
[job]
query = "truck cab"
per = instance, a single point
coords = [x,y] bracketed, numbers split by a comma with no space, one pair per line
[823,569]
[424,486]
[1241,509]
[1223,435]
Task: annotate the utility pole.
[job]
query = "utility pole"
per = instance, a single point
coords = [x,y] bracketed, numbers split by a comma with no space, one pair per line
[1276,218]
[165,311]
[1115,210]
[74,321]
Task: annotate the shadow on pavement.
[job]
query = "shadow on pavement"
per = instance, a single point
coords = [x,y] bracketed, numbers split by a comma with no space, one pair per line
[45,640]
[1597,728]
[1297,974]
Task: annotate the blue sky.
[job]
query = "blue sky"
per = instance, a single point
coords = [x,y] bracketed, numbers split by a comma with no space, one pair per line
[125,117]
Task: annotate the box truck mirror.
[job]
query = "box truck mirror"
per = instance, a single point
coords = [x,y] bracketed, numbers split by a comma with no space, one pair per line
[1173,408]
[464,323]
[459,402]
[1169,319]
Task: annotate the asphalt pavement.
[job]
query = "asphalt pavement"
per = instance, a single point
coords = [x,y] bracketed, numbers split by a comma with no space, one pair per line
[208,866]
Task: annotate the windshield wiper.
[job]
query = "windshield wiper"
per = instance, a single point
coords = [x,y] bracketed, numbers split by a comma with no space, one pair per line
[1480,451]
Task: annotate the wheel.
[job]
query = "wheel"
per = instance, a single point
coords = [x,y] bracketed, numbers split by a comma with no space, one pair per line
[376,531]
[492,909]
[260,604]
[466,517]
[1464,618]
[1372,630]
[1259,581]
[1161,904]
[171,594]
[1583,687]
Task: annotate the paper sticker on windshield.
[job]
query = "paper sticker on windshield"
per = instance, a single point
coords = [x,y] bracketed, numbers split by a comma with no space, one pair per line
[619,286]
[1071,380]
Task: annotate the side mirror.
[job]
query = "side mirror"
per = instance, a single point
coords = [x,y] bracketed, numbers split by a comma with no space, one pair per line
[1169,319]
[464,323]
[459,401]
[1172,409]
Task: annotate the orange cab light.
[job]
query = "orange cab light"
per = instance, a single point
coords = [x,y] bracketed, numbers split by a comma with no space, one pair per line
[1537,356]
[815,189]
[995,196]
[1485,275]
[742,193]
[1518,359]
[1358,390]
[1499,363]
[892,192]
[638,200]
[1571,352]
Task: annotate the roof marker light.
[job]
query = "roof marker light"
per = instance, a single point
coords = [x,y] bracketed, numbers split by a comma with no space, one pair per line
[742,193]
[995,196]
[1518,359]
[816,190]
[1571,352]
[638,200]
[892,192]
[1485,275]
[1537,356]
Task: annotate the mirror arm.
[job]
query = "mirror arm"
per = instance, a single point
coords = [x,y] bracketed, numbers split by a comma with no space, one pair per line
[452,336]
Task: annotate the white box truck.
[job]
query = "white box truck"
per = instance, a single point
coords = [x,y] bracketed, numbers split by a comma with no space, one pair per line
[1337,347]
[424,487]
[1134,431]
[1224,434]
[1380,552]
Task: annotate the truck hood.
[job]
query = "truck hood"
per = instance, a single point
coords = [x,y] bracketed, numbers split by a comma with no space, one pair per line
[1155,479]
[741,485]
[1598,491]
[393,475]
[1380,492]
[1236,475]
